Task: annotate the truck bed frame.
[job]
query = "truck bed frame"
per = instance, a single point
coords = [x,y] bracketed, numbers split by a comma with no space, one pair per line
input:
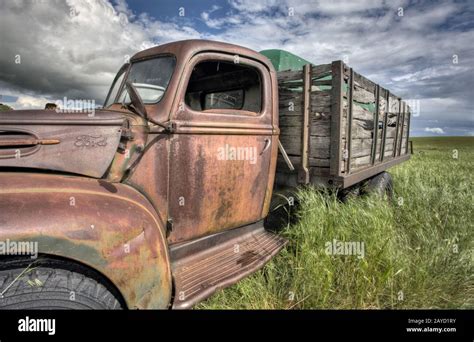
[329,116]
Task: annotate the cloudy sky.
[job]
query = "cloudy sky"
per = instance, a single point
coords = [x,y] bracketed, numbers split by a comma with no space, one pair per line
[421,50]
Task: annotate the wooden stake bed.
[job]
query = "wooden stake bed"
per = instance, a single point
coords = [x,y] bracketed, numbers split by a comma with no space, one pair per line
[338,127]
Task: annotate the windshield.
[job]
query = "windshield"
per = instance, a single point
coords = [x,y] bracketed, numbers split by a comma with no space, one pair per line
[150,77]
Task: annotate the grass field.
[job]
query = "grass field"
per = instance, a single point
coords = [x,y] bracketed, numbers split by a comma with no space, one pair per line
[418,251]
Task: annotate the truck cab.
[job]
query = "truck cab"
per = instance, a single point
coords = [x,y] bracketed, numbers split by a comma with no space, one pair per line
[159,197]
[219,156]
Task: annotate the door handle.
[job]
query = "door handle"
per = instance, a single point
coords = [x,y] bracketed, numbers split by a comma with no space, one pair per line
[268,142]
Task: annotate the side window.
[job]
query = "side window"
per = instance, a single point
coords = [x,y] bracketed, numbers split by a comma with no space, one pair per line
[219,85]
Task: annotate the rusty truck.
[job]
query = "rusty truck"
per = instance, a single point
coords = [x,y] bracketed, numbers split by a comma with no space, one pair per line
[158,199]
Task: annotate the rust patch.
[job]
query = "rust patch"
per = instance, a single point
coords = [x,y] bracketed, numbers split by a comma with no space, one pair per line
[247,258]
[83,234]
[118,234]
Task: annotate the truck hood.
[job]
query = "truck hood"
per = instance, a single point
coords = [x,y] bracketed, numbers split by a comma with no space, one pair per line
[81,143]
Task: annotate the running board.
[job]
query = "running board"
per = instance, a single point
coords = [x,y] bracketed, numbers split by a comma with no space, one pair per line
[206,265]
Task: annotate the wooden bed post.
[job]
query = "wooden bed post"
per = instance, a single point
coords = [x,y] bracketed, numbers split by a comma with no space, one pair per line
[385,120]
[395,144]
[304,174]
[376,124]
[350,104]
[401,129]
[336,119]
[408,131]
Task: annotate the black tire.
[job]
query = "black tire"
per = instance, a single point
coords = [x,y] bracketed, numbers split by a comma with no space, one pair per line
[47,288]
[381,185]
[352,192]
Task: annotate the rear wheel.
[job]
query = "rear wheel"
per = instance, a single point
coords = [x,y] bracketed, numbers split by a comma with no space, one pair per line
[381,185]
[349,193]
[26,286]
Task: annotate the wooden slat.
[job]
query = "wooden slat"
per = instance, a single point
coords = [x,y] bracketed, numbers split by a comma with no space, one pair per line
[401,130]
[362,95]
[304,176]
[376,123]
[396,128]
[322,82]
[349,119]
[363,82]
[319,146]
[322,70]
[385,120]
[320,100]
[336,119]
[285,76]
[363,147]
[408,131]
[313,162]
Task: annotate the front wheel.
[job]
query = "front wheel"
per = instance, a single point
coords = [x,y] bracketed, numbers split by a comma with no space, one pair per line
[42,287]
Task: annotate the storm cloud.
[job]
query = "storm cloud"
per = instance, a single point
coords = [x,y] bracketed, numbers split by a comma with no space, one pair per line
[421,50]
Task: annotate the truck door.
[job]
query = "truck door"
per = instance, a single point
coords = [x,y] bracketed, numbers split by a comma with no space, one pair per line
[221,149]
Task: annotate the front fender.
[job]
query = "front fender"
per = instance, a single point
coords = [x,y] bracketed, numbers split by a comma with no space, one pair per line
[110,227]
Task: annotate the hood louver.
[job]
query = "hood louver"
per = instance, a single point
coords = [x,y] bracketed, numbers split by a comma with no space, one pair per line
[14,144]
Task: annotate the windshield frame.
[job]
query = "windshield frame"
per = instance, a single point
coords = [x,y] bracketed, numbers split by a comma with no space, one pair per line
[124,69]
[127,72]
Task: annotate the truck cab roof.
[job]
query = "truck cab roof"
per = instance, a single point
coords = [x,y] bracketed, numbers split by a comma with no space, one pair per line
[185,49]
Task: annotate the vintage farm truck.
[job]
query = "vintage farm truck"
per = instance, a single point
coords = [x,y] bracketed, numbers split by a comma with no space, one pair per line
[159,198]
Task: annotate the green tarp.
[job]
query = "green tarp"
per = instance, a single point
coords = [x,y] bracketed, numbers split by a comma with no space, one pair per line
[283,60]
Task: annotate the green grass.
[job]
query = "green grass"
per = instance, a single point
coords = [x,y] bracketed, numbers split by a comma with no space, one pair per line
[4,107]
[418,251]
